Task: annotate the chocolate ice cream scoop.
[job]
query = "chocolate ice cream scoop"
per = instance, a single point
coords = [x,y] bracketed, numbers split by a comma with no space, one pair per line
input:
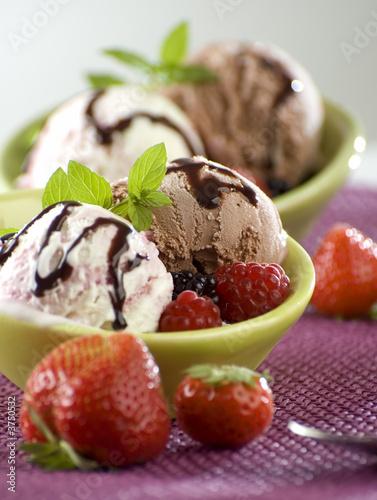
[264,113]
[216,217]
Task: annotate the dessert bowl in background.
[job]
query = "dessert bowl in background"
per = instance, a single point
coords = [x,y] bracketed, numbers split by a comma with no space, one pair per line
[299,208]
[24,343]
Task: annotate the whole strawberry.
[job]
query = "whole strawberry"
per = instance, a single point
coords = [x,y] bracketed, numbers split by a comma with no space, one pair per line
[223,406]
[346,273]
[100,396]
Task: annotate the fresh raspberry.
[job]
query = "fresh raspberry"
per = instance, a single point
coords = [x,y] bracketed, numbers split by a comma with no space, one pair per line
[249,290]
[189,312]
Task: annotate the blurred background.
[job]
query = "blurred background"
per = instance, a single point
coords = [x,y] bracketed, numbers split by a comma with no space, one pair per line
[47,47]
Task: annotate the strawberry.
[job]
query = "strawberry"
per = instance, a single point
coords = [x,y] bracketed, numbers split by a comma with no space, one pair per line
[223,406]
[100,396]
[346,272]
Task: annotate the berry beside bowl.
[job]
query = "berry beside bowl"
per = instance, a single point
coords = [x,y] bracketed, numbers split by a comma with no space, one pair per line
[299,208]
[247,343]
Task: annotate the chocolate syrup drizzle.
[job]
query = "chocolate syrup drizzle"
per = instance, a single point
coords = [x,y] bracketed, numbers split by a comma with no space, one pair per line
[285,92]
[209,190]
[105,134]
[63,269]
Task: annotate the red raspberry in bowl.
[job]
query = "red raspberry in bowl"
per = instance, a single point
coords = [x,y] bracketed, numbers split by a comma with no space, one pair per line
[249,290]
[189,312]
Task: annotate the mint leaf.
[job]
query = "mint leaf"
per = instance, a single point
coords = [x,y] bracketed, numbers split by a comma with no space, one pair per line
[8,230]
[88,187]
[130,59]
[195,73]
[57,189]
[154,198]
[148,170]
[121,208]
[141,216]
[101,81]
[170,68]
[184,74]
[143,181]
[83,185]
[174,47]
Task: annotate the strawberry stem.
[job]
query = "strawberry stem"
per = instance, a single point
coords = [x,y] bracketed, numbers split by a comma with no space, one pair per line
[55,454]
[220,374]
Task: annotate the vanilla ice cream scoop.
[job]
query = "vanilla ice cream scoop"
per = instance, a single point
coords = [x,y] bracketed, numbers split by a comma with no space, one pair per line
[264,113]
[107,130]
[216,217]
[86,264]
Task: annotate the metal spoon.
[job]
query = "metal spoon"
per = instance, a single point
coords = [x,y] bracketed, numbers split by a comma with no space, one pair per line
[364,443]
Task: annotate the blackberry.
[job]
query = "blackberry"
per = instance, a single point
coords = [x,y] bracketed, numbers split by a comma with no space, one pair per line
[202,284]
[277,186]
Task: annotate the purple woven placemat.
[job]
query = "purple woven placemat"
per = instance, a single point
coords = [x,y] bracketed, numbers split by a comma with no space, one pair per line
[325,374]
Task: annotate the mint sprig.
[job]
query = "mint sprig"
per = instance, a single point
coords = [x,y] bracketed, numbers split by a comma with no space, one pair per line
[174,47]
[8,230]
[78,184]
[103,80]
[83,185]
[170,67]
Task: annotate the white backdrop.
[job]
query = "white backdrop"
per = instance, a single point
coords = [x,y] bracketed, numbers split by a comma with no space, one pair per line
[47,46]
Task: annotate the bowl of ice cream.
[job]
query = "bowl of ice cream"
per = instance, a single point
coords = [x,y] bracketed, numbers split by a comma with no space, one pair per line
[75,269]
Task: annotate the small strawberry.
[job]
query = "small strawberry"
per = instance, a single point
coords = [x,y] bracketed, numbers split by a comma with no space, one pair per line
[99,397]
[346,273]
[223,406]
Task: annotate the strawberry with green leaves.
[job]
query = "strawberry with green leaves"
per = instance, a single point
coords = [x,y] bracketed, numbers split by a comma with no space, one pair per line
[223,406]
[346,273]
[95,400]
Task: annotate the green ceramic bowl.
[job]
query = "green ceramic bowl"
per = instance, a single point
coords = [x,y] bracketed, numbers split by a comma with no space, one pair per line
[298,208]
[23,344]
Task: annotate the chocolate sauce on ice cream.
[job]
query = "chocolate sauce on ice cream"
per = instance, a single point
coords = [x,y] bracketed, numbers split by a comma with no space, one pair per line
[210,189]
[105,133]
[62,269]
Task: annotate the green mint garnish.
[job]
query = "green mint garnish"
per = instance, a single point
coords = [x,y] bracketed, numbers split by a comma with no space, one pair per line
[169,69]
[57,189]
[148,171]
[129,58]
[101,80]
[78,184]
[8,230]
[83,185]
[174,47]
[143,181]
[88,186]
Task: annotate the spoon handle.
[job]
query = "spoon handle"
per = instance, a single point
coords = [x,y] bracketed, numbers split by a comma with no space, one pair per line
[365,443]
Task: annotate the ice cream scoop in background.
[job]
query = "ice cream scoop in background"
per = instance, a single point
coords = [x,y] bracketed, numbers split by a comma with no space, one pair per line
[264,112]
[86,264]
[216,217]
[107,130]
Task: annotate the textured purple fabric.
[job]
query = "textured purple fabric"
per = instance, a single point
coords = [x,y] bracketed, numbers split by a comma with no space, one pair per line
[325,375]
